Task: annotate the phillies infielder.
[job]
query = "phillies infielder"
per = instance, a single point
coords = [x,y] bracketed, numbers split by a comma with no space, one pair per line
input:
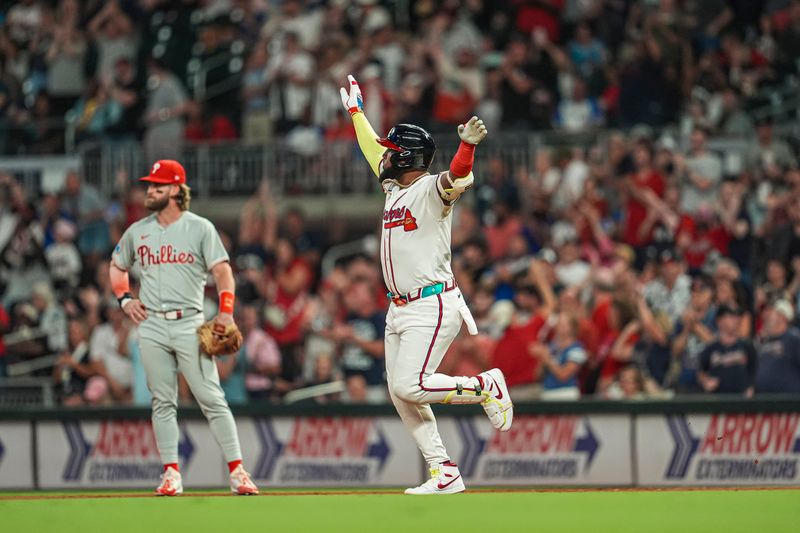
[174,250]
[427,307]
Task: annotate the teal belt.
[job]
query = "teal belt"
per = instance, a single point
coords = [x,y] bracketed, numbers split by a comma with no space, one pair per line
[430,290]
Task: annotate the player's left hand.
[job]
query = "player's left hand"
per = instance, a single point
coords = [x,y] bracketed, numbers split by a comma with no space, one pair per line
[473,131]
[352,99]
[224,319]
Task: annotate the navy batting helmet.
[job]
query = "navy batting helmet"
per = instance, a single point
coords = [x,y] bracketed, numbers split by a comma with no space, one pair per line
[412,149]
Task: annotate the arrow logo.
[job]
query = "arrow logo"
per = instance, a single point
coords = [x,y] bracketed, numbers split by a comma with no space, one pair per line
[685,447]
[271,449]
[185,447]
[473,446]
[79,450]
[379,450]
[588,444]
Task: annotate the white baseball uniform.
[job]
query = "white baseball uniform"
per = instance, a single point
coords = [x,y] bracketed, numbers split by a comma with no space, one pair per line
[415,253]
[427,307]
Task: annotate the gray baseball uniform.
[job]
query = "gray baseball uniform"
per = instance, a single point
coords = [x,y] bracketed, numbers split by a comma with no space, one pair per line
[173,264]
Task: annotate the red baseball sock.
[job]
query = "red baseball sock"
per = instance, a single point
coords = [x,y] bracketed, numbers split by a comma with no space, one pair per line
[233,464]
[171,465]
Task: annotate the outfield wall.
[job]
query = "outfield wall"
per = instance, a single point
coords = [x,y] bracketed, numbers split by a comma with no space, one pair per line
[724,442]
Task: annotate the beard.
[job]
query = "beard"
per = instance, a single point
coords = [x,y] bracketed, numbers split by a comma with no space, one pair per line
[156,205]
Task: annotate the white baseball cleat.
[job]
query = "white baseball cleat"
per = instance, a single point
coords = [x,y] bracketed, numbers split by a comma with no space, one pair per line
[241,484]
[444,480]
[171,484]
[497,405]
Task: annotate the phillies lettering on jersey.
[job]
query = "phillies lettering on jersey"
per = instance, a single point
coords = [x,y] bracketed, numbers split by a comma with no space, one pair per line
[165,254]
[415,243]
[172,261]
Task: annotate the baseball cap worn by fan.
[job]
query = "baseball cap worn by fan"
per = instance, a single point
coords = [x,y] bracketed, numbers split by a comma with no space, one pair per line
[166,172]
[784,308]
[726,310]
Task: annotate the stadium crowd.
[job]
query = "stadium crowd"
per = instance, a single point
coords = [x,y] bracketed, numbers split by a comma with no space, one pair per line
[645,265]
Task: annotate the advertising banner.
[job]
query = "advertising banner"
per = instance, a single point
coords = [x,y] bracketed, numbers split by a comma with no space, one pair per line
[542,450]
[719,449]
[16,470]
[318,452]
[122,453]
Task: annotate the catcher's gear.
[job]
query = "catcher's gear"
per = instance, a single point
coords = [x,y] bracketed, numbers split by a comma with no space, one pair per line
[412,149]
[219,339]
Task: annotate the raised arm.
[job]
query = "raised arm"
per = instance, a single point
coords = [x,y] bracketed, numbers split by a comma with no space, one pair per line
[367,138]
[459,178]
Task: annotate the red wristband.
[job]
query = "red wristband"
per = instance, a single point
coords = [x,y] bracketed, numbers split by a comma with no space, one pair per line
[461,165]
[226,299]
[353,110]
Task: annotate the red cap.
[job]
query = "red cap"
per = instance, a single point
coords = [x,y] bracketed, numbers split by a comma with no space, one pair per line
[166,172]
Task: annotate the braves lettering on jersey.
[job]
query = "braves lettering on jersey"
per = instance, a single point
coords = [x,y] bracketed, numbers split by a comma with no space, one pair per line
[415,244]
[173,261]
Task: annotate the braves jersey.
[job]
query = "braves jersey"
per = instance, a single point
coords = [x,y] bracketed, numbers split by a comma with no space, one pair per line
[415,244]
[173,260]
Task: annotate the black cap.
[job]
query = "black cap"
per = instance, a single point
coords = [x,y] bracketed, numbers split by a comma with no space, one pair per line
[670,254]
[701,281]
[725,310]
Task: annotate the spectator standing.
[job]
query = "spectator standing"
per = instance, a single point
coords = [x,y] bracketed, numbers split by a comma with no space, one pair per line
[527,325]
[261,354]
[579,111]
[779,352]
[560,362]
[670,292]
[114,35]
[63,258]
[702,175]
[728,365]
[646,180]
[256,121]
[361,341]
[108,352]
[769,154]
[66,57]
[87,207]
[52,319]
[167,106]
[73,368]
[289,76]
[692,333]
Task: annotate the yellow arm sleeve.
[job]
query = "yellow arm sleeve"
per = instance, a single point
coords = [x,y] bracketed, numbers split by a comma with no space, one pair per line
[368,141]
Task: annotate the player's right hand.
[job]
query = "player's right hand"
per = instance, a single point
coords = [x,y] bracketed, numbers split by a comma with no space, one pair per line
[352,99]
[135,310]
[473,131]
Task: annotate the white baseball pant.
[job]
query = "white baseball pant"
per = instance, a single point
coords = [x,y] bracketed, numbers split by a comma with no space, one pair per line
[417,337]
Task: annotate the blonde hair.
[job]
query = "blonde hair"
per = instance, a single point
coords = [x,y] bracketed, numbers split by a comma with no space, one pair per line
[184,197]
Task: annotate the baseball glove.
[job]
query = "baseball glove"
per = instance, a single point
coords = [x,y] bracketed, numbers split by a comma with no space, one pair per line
[218,339]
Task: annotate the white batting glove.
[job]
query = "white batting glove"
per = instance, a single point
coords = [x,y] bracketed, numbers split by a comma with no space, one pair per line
[473,131]
[352,99]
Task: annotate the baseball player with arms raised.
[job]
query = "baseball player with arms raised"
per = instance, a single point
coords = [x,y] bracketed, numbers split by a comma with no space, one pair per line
[174,250]
[427,307]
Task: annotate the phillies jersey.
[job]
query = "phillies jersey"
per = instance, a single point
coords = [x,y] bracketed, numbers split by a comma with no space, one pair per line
[415,240]
[173,261]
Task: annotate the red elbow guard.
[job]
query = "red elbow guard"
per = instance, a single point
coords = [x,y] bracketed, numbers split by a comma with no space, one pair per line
[461,165]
